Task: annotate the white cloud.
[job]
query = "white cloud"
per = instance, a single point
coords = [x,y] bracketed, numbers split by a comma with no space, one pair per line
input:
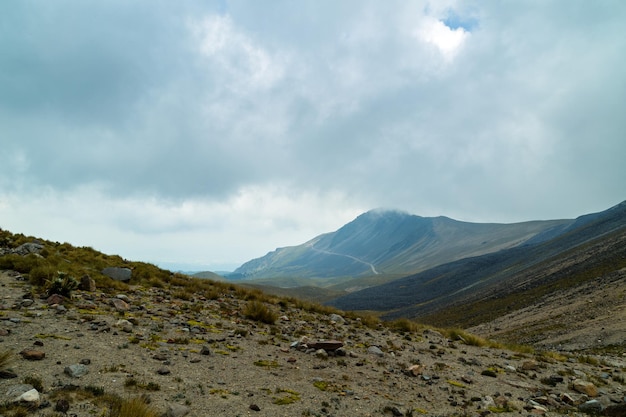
[448,41]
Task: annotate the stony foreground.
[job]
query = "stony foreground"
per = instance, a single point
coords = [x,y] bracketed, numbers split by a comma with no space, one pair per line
[198,357]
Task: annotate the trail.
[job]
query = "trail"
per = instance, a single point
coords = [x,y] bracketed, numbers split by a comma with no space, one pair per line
[372,267]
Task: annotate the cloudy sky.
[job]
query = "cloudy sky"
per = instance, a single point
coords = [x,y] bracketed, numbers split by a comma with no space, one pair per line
[207,133]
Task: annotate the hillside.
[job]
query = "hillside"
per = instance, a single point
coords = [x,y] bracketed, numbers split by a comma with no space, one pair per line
[384,243]
[163,344]
[476,290]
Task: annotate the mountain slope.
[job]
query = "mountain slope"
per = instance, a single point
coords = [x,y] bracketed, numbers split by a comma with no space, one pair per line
[392,242]
[486,286]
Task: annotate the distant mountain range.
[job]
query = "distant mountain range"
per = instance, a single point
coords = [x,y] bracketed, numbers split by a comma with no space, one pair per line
[590,247]
[382,242]
[447,272]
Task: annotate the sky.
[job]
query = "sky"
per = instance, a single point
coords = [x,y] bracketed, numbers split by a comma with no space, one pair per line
[202,134]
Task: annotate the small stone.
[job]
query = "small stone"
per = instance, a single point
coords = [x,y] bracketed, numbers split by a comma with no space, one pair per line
[206,351]
[254,407]
[30,396]
[76,370]
[55,299]
[119,305]
[163,371]
[7,374]
[337,318]
[321,353]
[32,354]
[530,365]
[585,387]
[328,345]
[177,410]
[375,350]
[415,370]
[62,406]
[591,406]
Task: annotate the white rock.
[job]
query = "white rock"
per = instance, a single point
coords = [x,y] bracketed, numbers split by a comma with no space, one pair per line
[30,396]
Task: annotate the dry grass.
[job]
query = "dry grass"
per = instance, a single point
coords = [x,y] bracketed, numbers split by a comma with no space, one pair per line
[5,358]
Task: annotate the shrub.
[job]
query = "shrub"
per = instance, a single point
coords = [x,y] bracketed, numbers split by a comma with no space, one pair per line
[62,284]
[134,407]
[256,310]
[5,358]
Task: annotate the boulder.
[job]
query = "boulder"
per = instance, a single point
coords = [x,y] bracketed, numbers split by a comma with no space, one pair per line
[118,274]
[87,284]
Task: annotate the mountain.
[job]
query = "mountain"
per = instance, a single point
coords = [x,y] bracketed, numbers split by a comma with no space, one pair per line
[475,289]
[386,242]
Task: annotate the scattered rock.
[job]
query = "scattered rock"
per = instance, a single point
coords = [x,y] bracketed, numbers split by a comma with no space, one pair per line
[585,387]
[62,406]
[30,396]
[7,374]
[328,345]
[375,350]
[177,410]
[32,354]
[76,370]
[591,406]
[254,407]
[337,318]
[87,284]
[55,299]
[119,305]
[163,371]
[118,274]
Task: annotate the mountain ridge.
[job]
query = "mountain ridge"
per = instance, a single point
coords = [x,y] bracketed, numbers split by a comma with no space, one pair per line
[393,242]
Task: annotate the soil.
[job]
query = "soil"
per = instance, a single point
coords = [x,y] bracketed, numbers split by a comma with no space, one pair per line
[197,357]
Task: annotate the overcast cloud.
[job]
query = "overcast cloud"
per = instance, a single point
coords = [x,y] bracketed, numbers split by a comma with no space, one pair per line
[210,133]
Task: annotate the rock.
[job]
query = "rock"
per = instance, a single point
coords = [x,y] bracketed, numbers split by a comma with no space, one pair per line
[177,410]
[27,248]
[7,374]
[62,406]
[76,370]
[32,354]
[55,299]
[87,284]
[337,318]
[615,410]
[415,370]
[321,353]
[585,387]
[17,390]
[530,365]
[254,407]
[119,305]
[163,371]
[118,274]
[591,406]
[206,351]
[327,345]
[375,350]
[30,396]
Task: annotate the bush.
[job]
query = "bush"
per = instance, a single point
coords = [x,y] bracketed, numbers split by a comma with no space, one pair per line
[62,284]
[256,310]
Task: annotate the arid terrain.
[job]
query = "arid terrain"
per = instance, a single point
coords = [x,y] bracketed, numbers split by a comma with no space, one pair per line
[188,354]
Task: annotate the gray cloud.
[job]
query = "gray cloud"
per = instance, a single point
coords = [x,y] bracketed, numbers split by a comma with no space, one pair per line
[513,111]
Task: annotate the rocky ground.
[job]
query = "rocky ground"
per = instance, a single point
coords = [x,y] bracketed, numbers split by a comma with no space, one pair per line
[588,317]
[198,357]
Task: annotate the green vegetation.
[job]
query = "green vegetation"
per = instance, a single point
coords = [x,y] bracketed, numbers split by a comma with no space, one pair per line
[286,396]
